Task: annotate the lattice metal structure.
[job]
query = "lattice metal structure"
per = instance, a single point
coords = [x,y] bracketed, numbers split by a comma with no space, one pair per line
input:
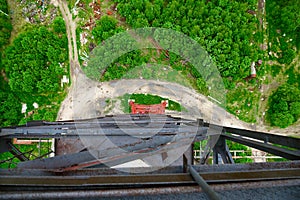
[139,135]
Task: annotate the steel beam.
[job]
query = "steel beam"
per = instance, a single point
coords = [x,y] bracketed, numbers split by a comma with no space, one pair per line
[4,145]
[266,137]
[112,155]
[222,149]
[109,181]
[285,153]
[201,182]
[17,153]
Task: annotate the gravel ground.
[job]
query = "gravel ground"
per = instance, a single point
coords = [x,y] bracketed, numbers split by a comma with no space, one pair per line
[274,193]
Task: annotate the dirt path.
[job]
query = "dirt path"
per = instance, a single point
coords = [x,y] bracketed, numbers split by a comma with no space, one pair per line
[267,89]
[86,97]
[75,70]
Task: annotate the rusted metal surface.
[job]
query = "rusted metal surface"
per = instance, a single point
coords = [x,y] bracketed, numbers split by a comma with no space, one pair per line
[111,156]
[121,182]
[155,170]
[105,182]
[138,136]
[146,126]
[67,145]
[218,175]
[86,191]
[89,171]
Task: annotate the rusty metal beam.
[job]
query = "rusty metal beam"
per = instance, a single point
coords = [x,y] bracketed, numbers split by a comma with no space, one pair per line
[148,179]
[111,156]
[156,170]
[97,130]
[135,134]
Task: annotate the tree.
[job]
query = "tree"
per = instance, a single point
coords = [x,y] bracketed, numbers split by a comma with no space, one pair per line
[31,62]
[59,25]
[284,106]
[105,28]
[295,109]
[5,24]
[10,109]
[282,120]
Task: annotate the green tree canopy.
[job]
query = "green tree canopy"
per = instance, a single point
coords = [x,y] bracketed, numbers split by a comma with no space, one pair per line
[32,62]
[105,28]
[5,24]
[223,28]
[284,106]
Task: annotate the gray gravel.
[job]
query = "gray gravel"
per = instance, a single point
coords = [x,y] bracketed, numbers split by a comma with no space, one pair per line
[274,193]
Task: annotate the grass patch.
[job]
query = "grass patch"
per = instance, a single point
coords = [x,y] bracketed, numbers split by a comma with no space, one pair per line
[293,76]
[237,146]
[110,104]
[242,102]
[245,151]
[157,72]
[275,70]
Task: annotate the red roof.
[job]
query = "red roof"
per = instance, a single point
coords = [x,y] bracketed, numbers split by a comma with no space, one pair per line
[145,109]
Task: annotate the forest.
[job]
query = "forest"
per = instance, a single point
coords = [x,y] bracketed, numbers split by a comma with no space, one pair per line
[283,29]
[5,24]
[228,31]
[284,40]
[225,32]
[32,66]
[32,61]
[8,109]
[223,28]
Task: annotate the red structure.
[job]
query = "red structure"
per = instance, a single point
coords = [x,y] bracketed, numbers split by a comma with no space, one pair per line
[148,109]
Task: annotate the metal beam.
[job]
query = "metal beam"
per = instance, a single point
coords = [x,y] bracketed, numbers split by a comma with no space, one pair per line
[222,149]
[112,155]
[266,137]
[201,182]
[4,146]
[285,153]
[17,153]
[88,180]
